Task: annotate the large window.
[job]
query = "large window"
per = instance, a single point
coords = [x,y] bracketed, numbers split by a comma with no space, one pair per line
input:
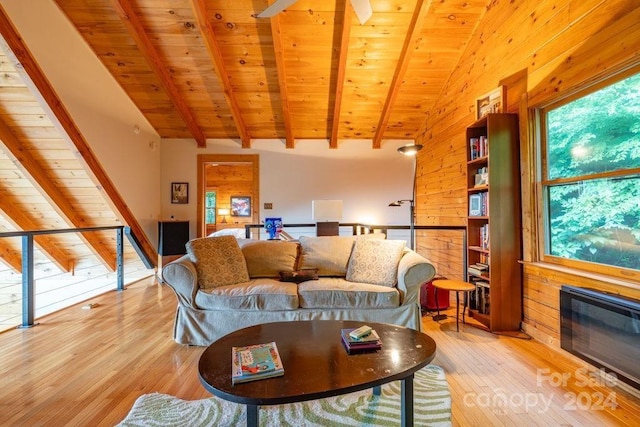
[591,178]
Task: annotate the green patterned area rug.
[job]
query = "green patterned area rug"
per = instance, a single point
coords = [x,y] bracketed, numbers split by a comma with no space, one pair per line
[432,407]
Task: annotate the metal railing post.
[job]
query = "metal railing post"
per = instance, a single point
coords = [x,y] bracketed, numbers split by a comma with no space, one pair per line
[28,288]
[120,258]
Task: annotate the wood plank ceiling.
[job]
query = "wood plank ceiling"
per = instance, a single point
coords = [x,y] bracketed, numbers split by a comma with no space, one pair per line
[202,69]
[210,69]
[49,178]
[43,185]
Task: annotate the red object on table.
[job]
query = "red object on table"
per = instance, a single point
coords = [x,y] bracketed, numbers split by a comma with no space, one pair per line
[428,297]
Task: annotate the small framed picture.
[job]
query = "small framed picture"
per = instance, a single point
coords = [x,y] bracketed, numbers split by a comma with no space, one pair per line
[180,193]
[475,205]
[492,102]
[240,206]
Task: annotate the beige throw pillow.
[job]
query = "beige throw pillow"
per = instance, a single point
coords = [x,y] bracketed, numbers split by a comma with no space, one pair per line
[267,258]
[329,254]
[375,261]
[218,260]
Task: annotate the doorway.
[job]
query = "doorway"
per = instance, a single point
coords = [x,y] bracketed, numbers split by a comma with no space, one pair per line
[235,180]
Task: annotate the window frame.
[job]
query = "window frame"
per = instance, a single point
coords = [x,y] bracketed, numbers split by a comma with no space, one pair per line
[542,184]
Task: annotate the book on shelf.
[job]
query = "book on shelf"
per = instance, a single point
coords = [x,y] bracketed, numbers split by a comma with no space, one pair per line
[255,362]
[479,297]
[480,266]
[484,236]
[367,343]
[478,269]
[482,297]
[478,147]
[484,203]
[481,178]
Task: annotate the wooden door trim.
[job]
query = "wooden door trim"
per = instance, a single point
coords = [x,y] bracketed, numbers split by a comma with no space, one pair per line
[203,159]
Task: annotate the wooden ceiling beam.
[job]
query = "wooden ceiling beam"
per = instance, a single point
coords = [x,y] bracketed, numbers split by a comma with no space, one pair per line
[410,45]
[209,36]
[32,74]
[9,256]
[276,34]
[41,181]
[342,65]
[149,52]
[22,221]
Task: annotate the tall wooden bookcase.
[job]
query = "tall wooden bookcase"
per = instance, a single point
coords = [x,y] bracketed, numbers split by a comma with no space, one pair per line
[494,222]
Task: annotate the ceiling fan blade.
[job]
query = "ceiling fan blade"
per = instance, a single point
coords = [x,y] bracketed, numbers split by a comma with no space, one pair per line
[363,10]
[275,8]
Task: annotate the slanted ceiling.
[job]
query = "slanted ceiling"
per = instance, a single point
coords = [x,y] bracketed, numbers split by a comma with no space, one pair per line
[49,179]
[43,184]
[210,69]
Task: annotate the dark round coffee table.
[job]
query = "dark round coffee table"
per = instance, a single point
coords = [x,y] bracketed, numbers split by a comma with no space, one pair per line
[316,365]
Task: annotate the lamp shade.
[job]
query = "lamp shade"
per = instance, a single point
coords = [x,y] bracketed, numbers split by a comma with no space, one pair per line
[326,210]
[223,211]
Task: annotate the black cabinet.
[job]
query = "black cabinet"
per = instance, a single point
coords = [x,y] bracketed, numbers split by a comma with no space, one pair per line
[172,237]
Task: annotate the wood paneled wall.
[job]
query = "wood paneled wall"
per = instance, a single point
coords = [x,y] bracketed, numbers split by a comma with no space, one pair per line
[540,51]
[231,179]
[445,251]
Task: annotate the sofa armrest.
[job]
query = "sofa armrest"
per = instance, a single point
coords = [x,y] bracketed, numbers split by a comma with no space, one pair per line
[413,271]
[182,277]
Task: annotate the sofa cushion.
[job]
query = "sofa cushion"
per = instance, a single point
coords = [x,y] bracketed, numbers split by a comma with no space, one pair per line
[375,261]
[329,254]
[334,292]
[267,258]
[256,294]
[218,260]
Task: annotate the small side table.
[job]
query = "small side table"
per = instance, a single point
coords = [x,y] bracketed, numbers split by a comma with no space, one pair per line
[456,286]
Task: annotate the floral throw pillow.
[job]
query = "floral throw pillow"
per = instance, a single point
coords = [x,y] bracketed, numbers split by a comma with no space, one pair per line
[375,261]
[219,261]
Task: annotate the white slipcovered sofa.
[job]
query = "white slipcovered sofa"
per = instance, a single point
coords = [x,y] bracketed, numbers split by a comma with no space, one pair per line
[224,284]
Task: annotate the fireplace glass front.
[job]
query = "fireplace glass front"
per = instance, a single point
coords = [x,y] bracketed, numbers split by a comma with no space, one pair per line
[603,329]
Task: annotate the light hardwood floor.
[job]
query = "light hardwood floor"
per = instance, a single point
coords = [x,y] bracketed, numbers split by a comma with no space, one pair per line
[86,368]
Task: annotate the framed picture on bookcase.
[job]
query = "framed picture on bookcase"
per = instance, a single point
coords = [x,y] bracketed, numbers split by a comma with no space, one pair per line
[492,102]
[475,205]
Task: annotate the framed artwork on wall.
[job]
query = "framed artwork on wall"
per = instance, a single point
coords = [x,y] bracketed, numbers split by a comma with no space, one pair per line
[180,193]
[492,102]
[240,206]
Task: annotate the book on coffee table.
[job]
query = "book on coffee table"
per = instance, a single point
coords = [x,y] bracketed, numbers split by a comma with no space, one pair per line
[367,343]
[255,362]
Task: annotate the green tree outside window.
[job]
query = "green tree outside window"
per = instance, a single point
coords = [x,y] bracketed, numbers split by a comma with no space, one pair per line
[210,207]
[591,181]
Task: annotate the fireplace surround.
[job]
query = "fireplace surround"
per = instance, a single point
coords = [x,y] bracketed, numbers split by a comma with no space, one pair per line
[603,329]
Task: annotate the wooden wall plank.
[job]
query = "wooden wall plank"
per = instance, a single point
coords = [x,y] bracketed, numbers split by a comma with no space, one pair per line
[540,51]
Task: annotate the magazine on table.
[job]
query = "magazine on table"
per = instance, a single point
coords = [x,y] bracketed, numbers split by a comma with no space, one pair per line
[255,362]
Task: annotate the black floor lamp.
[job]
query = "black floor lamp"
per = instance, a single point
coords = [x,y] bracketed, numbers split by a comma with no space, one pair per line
[410,150]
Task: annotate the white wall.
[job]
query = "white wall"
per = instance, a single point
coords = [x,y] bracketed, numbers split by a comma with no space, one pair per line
[100,108]
[367,180]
